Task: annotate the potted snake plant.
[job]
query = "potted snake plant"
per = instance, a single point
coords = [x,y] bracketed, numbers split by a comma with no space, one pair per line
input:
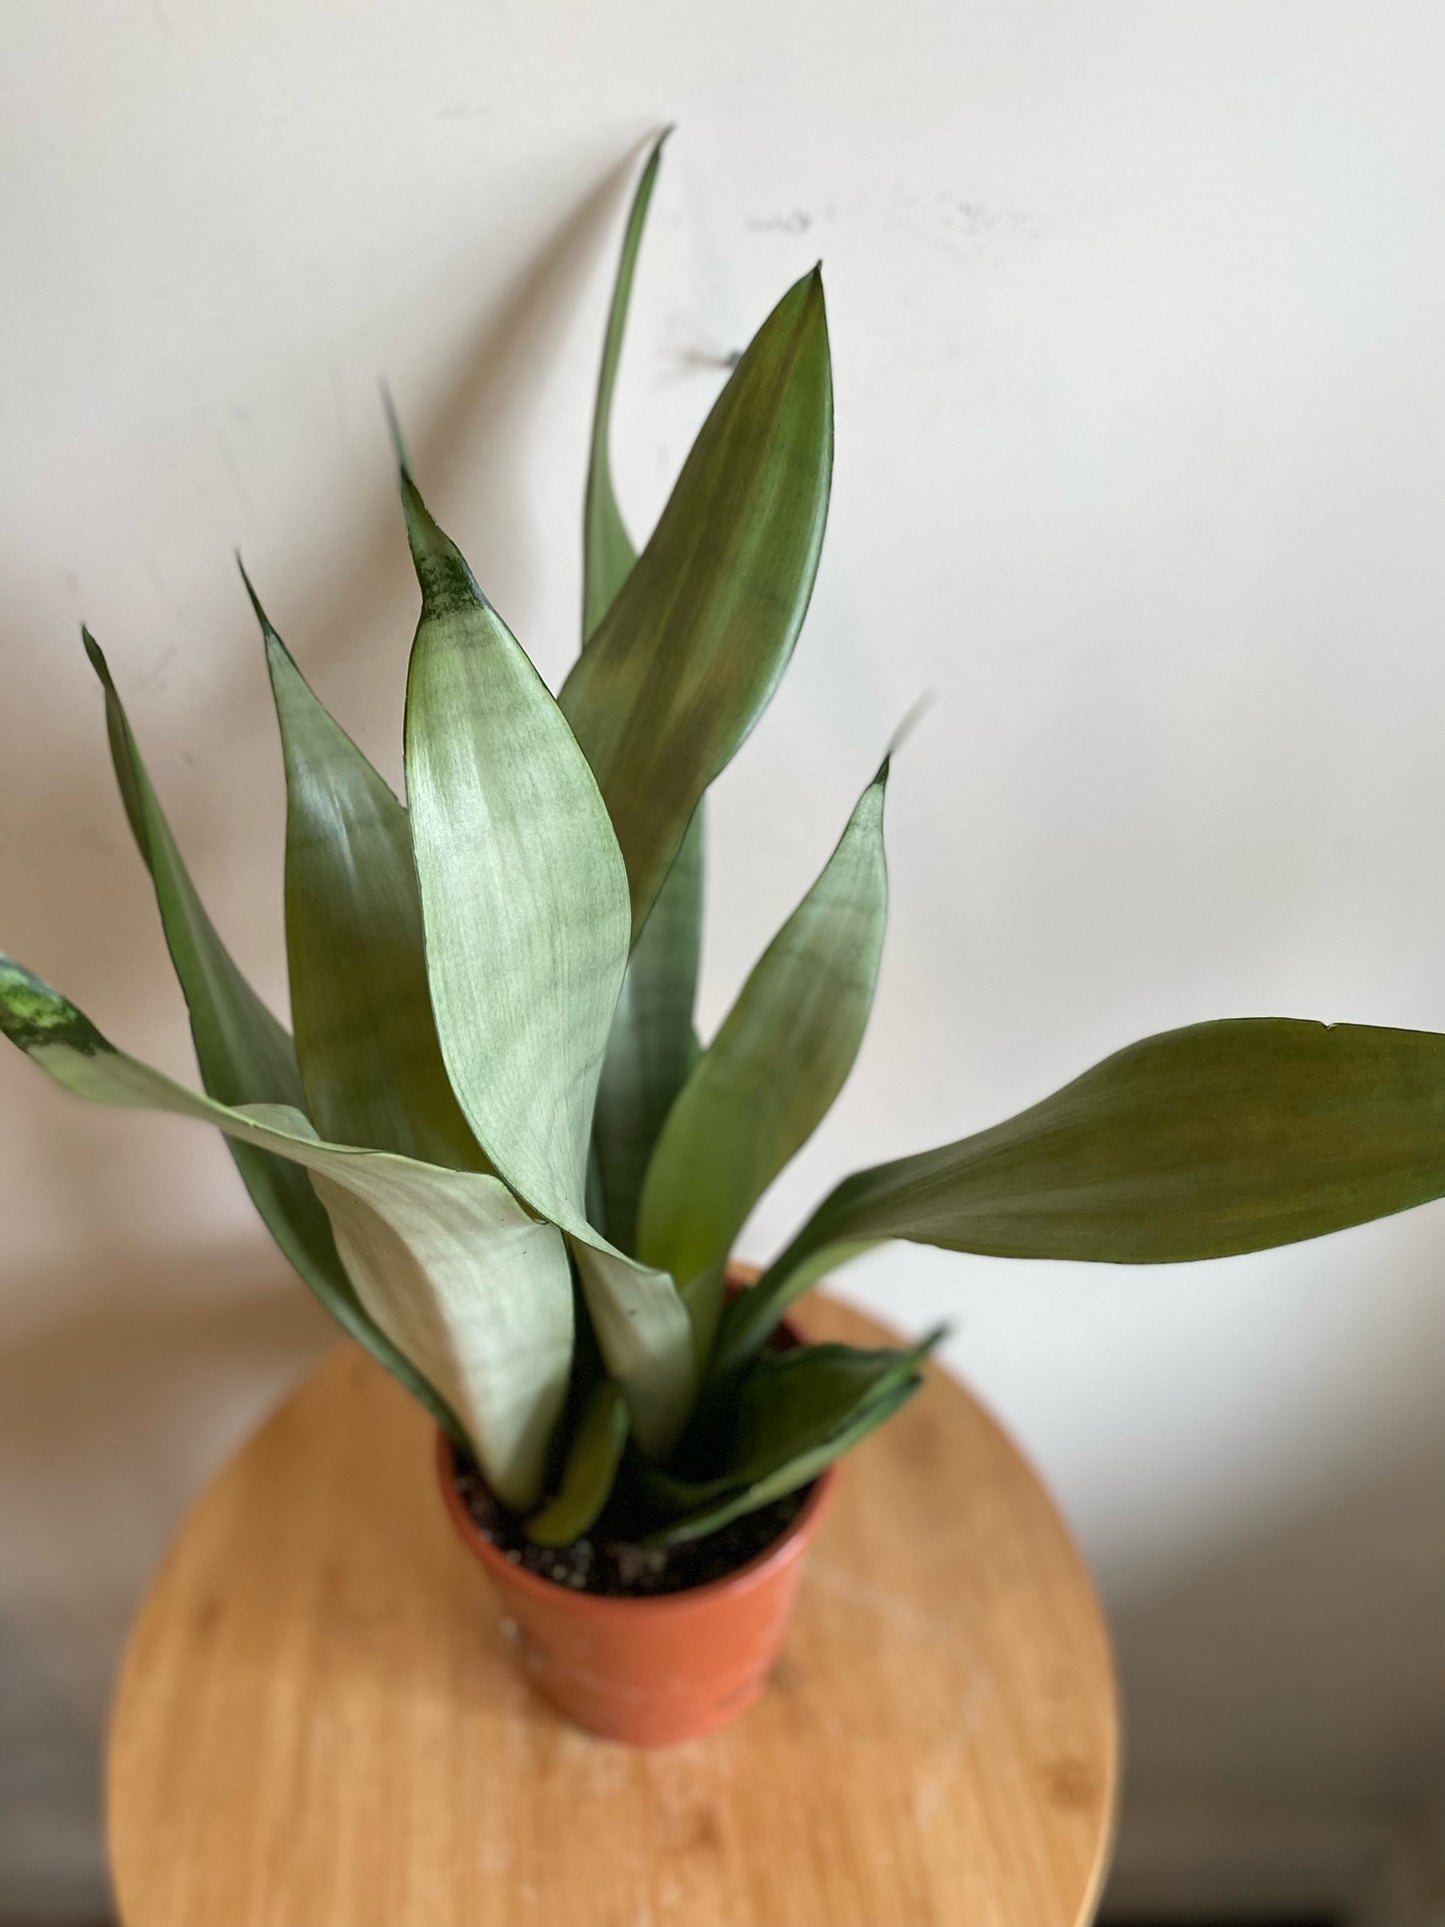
[494,1147]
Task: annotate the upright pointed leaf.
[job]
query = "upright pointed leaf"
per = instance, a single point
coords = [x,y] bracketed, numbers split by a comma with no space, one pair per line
[524,896]
[607,551]
[697,638]
[652,1042]
[244,1054]
[768,1078]
[365,1034]
[469,1288]
[1198,1143]
[524,902]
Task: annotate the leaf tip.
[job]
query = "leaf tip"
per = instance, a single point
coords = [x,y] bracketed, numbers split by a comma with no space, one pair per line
[441,568]
[809,306]
[95,655]
[35,1017]
[269,635]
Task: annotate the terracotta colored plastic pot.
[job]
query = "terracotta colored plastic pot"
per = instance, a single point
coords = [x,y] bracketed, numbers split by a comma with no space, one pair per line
[655,1670]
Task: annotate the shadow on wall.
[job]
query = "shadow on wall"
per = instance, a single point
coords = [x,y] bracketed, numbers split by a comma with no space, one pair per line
[467,439]
[1285,1709]
[113,1415]
[471,439]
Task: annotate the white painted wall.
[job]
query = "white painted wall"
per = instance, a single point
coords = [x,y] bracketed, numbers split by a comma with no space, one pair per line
[1137,315]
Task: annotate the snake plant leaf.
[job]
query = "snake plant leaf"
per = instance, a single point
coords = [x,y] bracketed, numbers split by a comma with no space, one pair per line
[792,1414]
[244,1054]
[711,1515]
[465,1284]
[693,646]
[523,891]
[768,1078]
[607,551]
[365,1034]
[590,1471]
[705,1295]
[1199,1143]
[525,909]
[646,1337]
[652,1043]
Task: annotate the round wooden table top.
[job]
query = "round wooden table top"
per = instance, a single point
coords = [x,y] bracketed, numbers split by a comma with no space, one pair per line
[320,1722]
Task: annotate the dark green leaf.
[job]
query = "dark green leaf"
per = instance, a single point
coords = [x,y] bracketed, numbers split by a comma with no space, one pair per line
[652,1045]
[1200,1143]
[699,634]
[607,551]
[592,1461]
[365,1035]
[767,1079]
[244,1055]
[791,1414]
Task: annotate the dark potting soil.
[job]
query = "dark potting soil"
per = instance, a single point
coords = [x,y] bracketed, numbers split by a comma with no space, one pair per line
[617,1568]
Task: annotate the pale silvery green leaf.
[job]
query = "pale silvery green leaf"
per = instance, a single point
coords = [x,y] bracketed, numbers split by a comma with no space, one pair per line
[525,908]
[607,551]
[768,1078]
[693,646]
[646,1338]
[523,891]
[365,1034]
[244,1055]
[477,1294]
[652,1043]
[1199,1143]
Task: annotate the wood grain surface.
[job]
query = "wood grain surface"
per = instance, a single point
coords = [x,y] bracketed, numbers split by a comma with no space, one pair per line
[319,1722]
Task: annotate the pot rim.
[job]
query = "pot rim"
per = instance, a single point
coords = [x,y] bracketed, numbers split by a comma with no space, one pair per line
[756,1572]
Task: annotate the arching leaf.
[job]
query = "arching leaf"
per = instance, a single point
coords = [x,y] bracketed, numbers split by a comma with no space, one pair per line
[468,1287]
[1199,1143]
[245,1056]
